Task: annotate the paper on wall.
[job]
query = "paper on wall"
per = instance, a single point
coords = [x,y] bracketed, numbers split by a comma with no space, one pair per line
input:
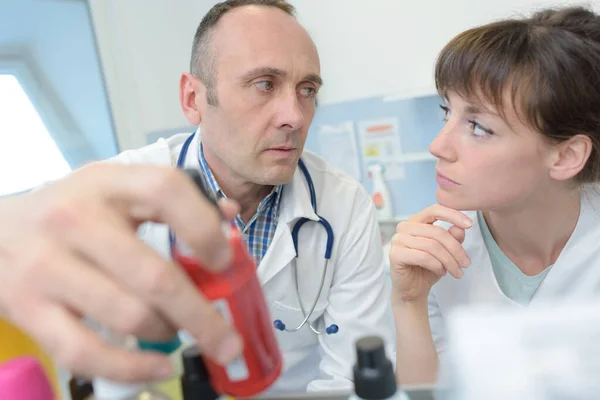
[338,146]
[380,143]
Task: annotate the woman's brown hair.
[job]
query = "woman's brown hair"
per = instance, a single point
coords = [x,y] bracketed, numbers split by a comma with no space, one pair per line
[549,65]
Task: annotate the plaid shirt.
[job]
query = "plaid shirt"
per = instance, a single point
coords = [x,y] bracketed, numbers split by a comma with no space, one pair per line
[259,231]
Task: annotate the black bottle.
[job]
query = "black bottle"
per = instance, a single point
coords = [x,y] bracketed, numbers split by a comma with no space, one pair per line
[195,382]
[374,376]
[80,388]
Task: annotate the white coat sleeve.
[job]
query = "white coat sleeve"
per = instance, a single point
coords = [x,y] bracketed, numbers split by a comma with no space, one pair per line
[437,324]
[446,371]
[359,299]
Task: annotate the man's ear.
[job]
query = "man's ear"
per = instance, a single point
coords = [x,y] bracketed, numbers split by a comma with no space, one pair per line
[570,157]
[191,89]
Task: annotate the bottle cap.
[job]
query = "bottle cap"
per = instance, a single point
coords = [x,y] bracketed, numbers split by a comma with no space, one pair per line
[80,388]
[374,377]
[166,347]
[23,378]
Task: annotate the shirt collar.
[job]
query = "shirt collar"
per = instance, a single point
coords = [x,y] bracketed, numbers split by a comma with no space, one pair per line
[207,175]
[211,182]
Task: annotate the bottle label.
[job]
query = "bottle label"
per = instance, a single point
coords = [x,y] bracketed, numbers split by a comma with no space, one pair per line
[237,370]
[378,200]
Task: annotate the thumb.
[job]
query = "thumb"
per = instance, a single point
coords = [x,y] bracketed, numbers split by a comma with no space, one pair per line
[457,233]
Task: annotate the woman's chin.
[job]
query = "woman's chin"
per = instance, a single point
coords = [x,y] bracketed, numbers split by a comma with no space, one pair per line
[454,201]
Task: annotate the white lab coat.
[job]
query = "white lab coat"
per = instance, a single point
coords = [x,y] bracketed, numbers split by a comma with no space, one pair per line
[575,275]
[355,295]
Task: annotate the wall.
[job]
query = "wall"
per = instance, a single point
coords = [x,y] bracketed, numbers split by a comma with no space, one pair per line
[144,49]
[389,47]
[368,48]
[419,121]
[57,36]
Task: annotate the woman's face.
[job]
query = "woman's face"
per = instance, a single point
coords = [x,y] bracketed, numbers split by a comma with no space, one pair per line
[484,161]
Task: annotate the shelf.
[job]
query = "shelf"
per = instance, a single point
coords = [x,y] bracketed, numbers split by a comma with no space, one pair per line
[416,157]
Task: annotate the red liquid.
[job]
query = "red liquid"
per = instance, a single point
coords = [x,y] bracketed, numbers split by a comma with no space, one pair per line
[237,294]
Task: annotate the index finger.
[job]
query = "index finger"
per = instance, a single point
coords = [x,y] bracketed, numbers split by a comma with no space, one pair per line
[438,212]
[167,195]
[159,282]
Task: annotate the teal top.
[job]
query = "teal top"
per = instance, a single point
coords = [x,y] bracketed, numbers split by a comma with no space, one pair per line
[515,285]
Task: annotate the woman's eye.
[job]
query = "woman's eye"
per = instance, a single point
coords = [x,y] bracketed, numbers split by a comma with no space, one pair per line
[478,129]
[446,112]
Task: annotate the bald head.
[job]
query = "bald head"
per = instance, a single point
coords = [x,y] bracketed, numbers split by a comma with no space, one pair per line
[264,70]
[203,51]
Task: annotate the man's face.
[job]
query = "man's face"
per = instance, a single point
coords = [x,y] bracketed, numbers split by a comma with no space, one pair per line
[266,76]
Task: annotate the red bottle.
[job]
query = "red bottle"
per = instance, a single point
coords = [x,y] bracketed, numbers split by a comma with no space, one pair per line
[237,294]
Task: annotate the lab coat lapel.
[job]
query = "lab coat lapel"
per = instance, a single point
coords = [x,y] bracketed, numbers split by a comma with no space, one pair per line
[295,204]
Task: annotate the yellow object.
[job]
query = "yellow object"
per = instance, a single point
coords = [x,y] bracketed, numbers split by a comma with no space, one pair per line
[171,388]
[15,343]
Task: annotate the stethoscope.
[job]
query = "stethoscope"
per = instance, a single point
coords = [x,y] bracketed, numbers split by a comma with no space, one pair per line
[278,324]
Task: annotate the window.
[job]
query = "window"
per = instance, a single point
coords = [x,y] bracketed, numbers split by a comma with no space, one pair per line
[28,154]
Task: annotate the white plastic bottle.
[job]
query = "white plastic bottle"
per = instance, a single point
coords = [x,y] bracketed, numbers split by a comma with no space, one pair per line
[374,376]
[381,195]
[108,390]
[105,389]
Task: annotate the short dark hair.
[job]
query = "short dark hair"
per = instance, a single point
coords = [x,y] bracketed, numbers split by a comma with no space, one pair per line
[202,60]
[550,65]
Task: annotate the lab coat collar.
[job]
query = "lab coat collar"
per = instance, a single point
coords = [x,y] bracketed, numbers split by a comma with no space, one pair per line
[295,204]
[296,200]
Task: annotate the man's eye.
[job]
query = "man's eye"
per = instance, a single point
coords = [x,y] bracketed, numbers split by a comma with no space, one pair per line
[265,86]
[308,91]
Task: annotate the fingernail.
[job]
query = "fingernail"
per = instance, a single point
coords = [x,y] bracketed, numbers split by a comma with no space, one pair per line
[467,222]
[460,273]
[465,263]
[229,349]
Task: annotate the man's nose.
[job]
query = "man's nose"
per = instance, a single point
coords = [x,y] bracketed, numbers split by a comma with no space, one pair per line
[290,115]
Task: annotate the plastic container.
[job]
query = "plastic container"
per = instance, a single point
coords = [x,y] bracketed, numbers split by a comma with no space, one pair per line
[237,294]
[16,343]
[381,196]
[195,382]
[173,348]
[374,376]
[168,389]
[80,388]
[110,390]
[23,378]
